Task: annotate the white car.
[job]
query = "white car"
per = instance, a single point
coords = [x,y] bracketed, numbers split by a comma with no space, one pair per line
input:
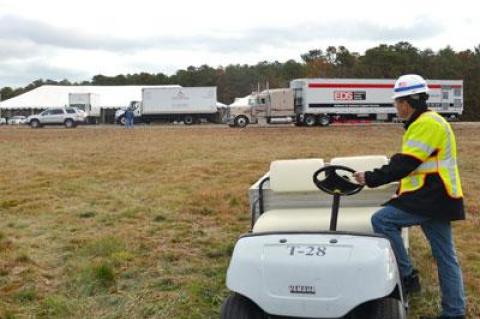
[17,120]
[67,116]
[3,121]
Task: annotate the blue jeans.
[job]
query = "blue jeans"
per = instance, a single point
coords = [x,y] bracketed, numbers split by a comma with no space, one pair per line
[128,122]
[389,220]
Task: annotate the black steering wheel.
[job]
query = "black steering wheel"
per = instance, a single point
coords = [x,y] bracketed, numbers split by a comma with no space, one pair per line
[336,183]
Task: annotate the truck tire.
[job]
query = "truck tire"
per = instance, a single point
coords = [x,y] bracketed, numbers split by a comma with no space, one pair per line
[238,307]
[309,120]
[69,123]
[122,120]
[388,308]
[241,121]
[189,120]
[35,124]
[324,120]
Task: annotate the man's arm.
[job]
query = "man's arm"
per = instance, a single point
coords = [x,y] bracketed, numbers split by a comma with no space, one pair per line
[400,166]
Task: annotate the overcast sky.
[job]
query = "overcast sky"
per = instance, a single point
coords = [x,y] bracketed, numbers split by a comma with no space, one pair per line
[59,39]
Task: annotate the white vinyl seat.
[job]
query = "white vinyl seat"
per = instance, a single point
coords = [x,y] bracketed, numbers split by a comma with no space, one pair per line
[352,219]
[293,176]
[361,163]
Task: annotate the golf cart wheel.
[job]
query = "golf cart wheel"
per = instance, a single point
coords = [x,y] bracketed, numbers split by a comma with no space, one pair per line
[241,121]
[388,308]
[310,120]
[324,120]
[238,307]
[69,123]
[188,120]
[34,124]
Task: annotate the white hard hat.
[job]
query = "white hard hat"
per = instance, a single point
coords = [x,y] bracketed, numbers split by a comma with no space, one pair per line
[408,85]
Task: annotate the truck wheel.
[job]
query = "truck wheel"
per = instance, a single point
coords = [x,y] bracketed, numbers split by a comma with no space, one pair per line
[241,121]
[388,308]
[122,120]
[324,120]
[69,123]
[34,124]
[188,120]
[310,120]
[238,307]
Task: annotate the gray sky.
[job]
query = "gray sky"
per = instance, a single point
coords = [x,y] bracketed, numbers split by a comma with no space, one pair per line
[58,39]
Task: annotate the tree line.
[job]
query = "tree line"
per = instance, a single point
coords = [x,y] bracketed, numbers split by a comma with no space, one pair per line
[382,61]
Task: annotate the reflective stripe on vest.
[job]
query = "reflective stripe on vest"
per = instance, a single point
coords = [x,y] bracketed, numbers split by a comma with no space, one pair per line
[422,146]
[452,169]
[439,159]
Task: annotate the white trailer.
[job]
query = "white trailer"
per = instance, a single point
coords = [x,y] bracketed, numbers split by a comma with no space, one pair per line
[187,104]
[87,102]
[319,101]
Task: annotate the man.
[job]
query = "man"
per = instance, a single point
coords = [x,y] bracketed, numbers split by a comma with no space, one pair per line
[429,194]
[129,116]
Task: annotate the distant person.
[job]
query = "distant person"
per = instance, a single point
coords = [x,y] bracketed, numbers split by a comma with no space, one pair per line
[129,116]
[430,193]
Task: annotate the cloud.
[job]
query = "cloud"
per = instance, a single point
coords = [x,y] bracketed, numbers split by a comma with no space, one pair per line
[32,49]
[20,49]
[22,73]
[43,34]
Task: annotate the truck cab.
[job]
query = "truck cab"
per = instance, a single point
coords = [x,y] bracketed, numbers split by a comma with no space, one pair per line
[275,106]
[240,112]
[136,106]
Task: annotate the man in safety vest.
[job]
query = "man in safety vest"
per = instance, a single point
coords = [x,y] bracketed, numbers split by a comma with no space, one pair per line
[429,194]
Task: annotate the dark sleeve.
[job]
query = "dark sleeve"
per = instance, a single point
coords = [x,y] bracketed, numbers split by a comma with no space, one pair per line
[400,166]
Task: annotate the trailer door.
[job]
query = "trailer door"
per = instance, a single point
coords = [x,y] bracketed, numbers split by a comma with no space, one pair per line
[445,102]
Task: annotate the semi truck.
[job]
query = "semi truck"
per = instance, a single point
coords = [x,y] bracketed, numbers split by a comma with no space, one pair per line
[189,105]
[87,102]
[275,106]
[322,101]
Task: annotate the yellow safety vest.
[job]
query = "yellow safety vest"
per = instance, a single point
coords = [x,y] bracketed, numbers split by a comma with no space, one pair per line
[431,140]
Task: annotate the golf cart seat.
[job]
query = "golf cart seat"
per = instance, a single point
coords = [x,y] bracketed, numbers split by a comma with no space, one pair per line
[296,176]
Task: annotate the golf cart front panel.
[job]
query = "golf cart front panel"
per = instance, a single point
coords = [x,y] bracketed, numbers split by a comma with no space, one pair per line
[314,275]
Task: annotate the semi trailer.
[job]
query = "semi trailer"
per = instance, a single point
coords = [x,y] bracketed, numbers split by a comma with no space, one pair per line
[321,101]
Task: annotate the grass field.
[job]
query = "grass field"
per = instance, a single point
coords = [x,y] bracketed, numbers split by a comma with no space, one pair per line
[114,223]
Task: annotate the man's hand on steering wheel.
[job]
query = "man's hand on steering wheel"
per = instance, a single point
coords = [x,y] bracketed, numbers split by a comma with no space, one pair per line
[359,177]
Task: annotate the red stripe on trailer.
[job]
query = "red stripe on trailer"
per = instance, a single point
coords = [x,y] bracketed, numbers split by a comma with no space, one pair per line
[350,85]
[368,86]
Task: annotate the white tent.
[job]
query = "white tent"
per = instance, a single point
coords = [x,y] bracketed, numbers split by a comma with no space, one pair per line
[110,97]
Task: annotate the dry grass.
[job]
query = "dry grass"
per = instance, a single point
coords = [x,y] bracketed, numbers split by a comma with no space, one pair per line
[108,223]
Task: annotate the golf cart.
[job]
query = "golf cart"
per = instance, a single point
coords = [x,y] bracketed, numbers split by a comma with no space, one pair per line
[307,258]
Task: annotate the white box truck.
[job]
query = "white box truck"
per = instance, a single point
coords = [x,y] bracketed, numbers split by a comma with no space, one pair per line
[321,101]
[87,102]
[175,104]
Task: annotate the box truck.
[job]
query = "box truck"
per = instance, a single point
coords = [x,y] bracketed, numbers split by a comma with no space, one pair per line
[87,102]
[189,105]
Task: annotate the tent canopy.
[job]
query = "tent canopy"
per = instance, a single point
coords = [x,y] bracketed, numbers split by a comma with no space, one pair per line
[57,96]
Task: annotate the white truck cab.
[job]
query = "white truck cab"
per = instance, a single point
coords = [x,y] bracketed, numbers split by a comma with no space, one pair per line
[275,106]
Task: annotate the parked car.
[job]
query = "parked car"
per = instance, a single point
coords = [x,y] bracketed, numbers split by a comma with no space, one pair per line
[3,121]
[16,120]
[68,116]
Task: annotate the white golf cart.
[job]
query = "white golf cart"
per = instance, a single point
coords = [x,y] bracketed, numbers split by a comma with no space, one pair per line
[307,258]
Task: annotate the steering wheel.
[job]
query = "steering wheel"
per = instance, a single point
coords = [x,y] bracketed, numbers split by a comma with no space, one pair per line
[336,183]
